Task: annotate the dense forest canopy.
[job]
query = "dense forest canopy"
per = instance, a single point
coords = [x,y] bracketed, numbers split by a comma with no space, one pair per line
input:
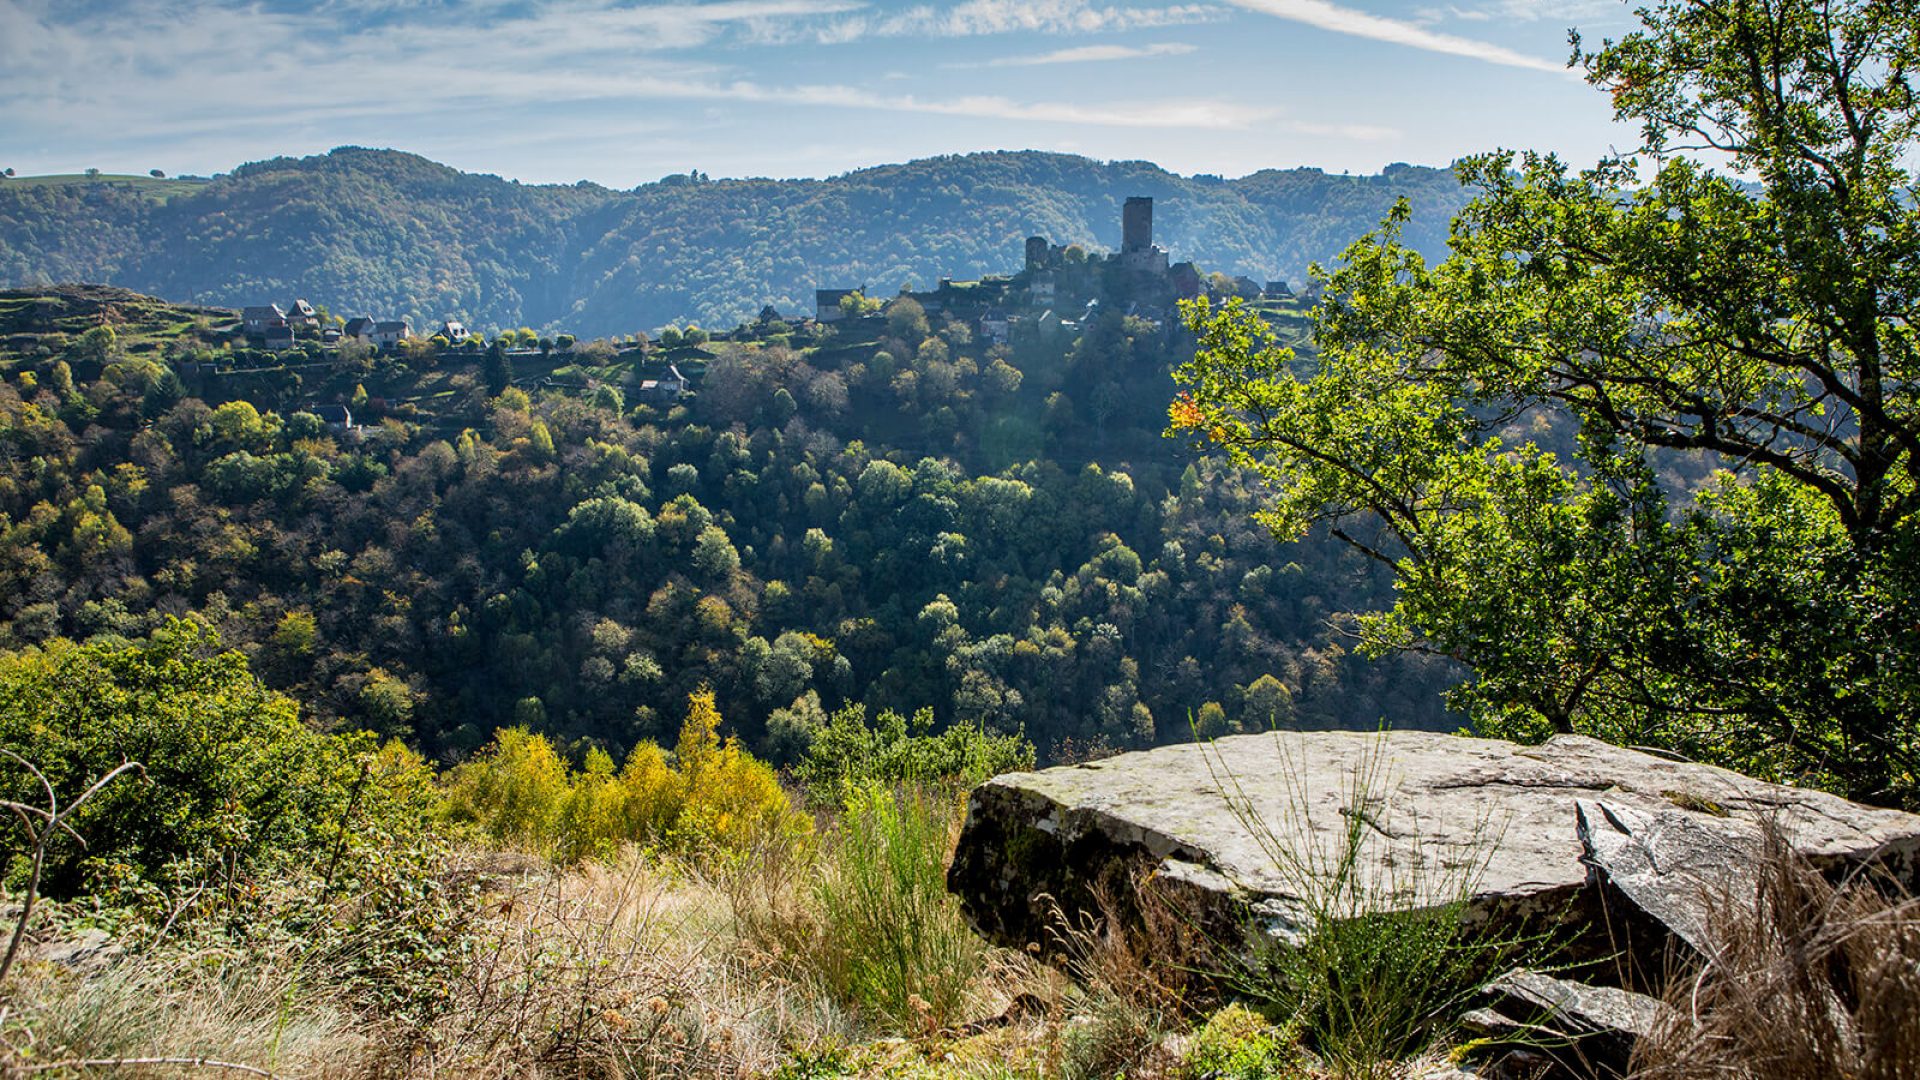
[390,234]
[895,513]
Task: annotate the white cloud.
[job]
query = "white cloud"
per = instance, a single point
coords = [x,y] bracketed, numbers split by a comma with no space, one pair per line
[1537,10]
[974,18]
[200,84]
[1344,20]
[1086,54]
[1195,113]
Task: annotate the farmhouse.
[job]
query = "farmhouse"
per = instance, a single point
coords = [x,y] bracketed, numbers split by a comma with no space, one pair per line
[389,334]
[256,321]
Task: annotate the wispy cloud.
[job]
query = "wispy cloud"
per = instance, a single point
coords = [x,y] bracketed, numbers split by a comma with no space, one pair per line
[1192,113]
[1344,20]
[200,84]
[1526,11]
[1084,54]
[974,18]
[172,76]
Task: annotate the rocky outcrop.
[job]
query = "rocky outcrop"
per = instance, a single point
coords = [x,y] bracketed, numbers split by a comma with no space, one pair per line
[1538,1025]
[1240,828]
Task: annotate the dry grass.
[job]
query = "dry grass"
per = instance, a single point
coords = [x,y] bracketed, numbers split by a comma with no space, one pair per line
[1807,981]
[636,968]
[617,970]
[482,963]
[628,969]
[184,1005]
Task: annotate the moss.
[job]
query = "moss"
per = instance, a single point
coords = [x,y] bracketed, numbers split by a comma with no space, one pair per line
[1236,1044]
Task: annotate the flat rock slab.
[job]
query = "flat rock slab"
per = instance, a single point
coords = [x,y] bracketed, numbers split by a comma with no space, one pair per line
[1237,825]
[1542,1026]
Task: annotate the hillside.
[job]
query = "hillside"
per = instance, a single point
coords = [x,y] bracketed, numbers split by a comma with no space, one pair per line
[895,512]
[390,233]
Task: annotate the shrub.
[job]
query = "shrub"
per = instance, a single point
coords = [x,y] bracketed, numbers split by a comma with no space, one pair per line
[730,799]
[713,799]
[850,752]
[892,939]
[517,788]
[1237,1044]
[1384,962]
[233,777]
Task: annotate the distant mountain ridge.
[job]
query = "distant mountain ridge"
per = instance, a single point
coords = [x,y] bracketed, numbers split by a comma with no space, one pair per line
[384,232]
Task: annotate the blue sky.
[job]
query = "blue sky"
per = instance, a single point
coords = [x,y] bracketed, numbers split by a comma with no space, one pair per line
[623,92]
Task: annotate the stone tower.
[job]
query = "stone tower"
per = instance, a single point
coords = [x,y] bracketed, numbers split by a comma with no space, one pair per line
[1137,252]
[1136,224]
[1036,252]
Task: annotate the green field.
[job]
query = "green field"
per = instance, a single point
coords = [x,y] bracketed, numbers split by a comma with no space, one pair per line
[154,188]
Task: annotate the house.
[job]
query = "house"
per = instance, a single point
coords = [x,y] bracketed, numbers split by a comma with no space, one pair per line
[330,336]
[389,334]
[453,332]
[256,321]
[336,417]
[277,338]
[359,329]
[301,313]
[1042,289]
[1276,290]
[826,302]
[666,388]
[993,326]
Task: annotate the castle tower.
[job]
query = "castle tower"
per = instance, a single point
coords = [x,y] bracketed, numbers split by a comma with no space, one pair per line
[1137,252]
[1136,224]
[1036,252]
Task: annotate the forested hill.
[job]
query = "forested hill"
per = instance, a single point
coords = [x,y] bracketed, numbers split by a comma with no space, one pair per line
[388,233]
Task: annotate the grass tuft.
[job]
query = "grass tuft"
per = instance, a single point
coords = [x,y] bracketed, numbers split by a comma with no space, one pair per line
[1807,980]
[892,940]
[1381,962]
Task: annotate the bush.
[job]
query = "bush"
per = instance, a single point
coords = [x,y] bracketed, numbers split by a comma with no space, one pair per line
[892,939]
[711,800]
[233,777]
[851,752]
[1237,1044]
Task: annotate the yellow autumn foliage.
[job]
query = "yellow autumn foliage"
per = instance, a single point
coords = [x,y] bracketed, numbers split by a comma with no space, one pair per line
[709,799]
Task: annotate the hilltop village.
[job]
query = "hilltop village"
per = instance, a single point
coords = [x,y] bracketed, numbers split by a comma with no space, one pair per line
[1059,293]
[1059,290]
[907,432]
[1063,288]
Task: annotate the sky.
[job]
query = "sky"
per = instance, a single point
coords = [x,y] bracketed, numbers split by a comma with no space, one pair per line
[622,92]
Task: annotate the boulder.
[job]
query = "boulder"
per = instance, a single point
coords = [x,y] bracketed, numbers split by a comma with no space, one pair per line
[1239,829]
[80,950]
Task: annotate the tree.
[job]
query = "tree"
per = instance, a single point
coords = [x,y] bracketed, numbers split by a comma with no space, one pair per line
[907,320]
[232,774]
[856,304]
[157,174]
[1712,552]
[96,345]
[499,368]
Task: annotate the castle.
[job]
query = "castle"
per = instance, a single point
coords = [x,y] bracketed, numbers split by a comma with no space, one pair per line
[1061,286]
